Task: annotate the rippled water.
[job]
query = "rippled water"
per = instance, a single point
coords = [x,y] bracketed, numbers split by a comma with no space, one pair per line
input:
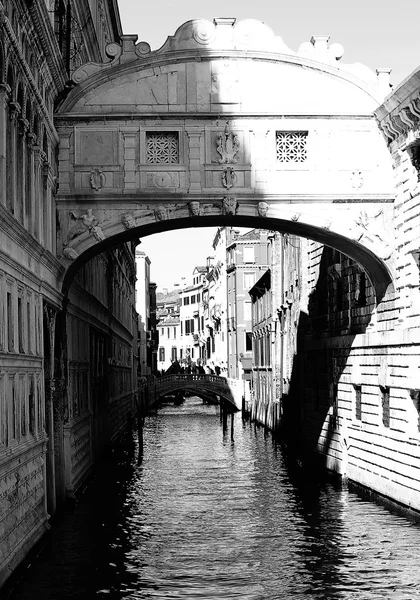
[205,517]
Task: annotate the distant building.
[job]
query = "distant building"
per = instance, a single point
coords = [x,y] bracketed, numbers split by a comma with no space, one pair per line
[247,257]
[193,341]
[275,316]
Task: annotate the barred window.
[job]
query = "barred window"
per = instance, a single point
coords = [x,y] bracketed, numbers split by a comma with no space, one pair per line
[162,147]
[291,146]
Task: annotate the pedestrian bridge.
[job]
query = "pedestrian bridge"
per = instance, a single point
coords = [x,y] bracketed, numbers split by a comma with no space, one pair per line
[228,389]
[225,125]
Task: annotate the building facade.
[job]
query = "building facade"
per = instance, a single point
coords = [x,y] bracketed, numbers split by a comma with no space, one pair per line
[66,354]
[246,259]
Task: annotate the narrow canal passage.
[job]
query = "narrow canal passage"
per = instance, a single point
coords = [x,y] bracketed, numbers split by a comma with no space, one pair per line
[205,517]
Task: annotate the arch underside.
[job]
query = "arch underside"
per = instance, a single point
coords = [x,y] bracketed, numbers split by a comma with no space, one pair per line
[377,269]
[200,389]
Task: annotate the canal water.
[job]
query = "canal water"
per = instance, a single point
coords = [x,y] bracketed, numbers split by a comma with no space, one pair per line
[206,517]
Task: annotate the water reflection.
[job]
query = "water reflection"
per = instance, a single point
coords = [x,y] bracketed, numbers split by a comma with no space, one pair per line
[205,516]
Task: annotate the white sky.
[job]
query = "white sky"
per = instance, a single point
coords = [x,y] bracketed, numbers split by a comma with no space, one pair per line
[377,33]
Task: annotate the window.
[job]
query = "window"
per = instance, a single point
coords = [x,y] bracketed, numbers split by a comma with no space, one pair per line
[168,332]
[198,297]
[174,353]
[10,329]
[291,146]
[174,333]
[385,406]
[358,398]
[248,254]
[193,299]
[249,280]
[186,300]
[161,354]
[248,341]
[162,147]
[247,311]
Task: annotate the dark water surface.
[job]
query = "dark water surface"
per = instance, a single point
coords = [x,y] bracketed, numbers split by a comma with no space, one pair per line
[203,517]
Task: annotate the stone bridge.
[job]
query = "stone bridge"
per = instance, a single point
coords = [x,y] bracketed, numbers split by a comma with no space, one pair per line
[229,389]
[225,125]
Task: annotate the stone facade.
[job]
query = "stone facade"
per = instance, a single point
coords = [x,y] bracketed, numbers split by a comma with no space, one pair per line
[59,349]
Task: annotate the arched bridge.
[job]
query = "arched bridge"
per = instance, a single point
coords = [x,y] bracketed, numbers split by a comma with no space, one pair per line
[216,128]
[229,389]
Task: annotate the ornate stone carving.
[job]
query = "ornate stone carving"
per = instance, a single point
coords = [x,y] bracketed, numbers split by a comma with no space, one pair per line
[86,222]
[370,230]
[195,209]
[262,209]
[70,253]
[161,214]
[227,147]
[296,216]
[230,205]
[128,220]
[97,179]
[204,32]
[229,177]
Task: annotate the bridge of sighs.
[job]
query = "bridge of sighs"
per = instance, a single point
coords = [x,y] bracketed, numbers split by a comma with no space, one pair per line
[224,125]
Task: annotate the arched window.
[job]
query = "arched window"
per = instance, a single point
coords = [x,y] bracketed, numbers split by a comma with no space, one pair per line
[2,64]
[62,27]
[28,170]
[10,137]
[20,157]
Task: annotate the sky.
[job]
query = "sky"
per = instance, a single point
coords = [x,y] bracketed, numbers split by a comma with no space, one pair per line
[376,33]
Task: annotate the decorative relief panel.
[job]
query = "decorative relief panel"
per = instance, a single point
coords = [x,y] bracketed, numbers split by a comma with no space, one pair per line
[96,148]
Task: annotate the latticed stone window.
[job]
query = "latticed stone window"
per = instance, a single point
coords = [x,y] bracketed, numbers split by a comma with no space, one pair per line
[162,147]
[291,146]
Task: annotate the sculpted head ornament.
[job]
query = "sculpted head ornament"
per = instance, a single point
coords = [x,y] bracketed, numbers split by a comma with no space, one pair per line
[161,213]
[128,221]
[262,209]
[230,205]
[194,209]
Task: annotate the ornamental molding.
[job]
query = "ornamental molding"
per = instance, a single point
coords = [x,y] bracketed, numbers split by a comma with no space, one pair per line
[402,122]
[41,23]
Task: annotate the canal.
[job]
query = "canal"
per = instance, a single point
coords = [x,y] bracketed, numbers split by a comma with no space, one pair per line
[206,517]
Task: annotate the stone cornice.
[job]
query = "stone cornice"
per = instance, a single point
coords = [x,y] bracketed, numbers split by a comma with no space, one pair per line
[40,16]
[399,115]
[12,228]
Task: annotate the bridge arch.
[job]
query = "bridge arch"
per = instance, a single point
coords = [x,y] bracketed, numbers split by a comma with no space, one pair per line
[225,125]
